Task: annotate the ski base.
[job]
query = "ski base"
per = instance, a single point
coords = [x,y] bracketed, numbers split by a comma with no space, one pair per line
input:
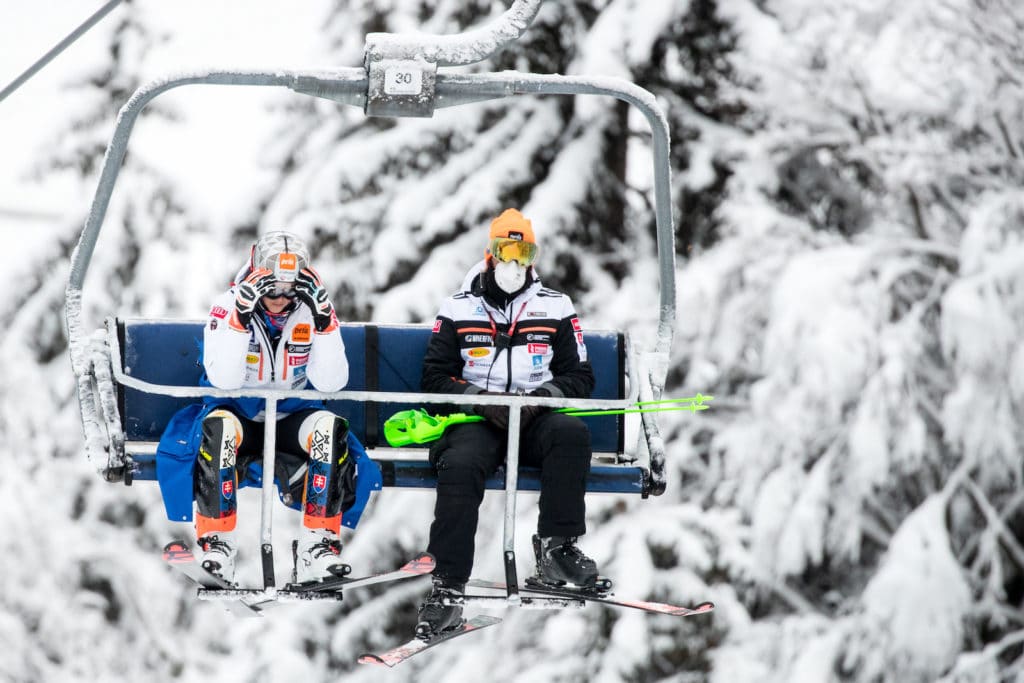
[418,566]
[249,601]
[415,646]
[179,556]
[602,587]
[588,596]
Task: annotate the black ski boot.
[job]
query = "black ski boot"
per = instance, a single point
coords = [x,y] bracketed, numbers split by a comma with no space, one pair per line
[561,563]
[435,616]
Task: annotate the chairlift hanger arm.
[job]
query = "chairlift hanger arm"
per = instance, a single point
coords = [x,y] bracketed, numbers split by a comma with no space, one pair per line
[458,49]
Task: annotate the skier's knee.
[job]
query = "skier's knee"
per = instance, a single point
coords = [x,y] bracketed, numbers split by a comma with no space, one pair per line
[573,434]
[222,437]
[459,466]
[324,436]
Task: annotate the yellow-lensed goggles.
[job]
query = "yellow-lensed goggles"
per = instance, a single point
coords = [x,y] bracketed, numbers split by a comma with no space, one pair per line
[505,249]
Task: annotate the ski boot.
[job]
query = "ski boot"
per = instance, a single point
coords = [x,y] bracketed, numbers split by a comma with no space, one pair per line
[218,556]
[438,613]
[563,566]
[317,556]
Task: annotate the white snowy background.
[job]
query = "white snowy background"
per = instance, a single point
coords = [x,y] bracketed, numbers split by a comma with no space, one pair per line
[846,183]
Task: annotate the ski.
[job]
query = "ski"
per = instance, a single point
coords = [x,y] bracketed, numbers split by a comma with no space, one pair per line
[418,566]
[415,646]
[583,595]
[179,556]
[251,601]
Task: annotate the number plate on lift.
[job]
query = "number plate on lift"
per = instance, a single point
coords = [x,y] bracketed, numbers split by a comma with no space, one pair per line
[403,79]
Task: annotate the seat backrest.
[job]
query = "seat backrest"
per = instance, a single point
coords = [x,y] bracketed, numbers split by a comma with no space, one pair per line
[381,358]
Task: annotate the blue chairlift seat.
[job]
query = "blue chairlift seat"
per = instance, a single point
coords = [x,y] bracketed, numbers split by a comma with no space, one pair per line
[381,358]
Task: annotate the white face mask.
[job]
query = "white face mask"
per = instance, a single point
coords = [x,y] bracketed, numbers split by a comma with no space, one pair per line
[509,275]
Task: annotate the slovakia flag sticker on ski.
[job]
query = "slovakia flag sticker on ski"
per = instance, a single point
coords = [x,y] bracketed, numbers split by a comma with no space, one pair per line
[228,488]
[319,483]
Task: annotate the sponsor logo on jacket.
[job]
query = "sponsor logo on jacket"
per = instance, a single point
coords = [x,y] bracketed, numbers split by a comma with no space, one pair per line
[478,339]
[300,333]
[437,326]
[298,360]
[479,352]
[537,348]
[219,312]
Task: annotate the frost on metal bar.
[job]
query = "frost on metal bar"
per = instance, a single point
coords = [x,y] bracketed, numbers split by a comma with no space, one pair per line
[402,68]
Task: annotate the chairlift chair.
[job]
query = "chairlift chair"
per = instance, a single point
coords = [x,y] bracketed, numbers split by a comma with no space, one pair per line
[402,76]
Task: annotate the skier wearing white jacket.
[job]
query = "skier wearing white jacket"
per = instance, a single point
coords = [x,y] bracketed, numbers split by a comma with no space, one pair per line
[275,328]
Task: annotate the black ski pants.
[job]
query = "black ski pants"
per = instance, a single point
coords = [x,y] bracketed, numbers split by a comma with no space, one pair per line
[467,454]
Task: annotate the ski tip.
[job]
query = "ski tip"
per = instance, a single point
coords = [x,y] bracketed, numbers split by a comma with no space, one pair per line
[177,551]
[421,564]
[704,607]
[370,658]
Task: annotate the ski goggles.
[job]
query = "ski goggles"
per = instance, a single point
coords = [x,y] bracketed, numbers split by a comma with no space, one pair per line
[281,290]
[505,249]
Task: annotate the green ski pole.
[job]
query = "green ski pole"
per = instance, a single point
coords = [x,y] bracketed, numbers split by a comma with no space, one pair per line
[416,426]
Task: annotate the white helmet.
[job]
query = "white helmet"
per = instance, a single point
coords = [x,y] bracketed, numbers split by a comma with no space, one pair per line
[282,253]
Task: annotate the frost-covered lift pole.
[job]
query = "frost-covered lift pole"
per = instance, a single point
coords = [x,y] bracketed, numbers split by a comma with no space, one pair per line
[400,77]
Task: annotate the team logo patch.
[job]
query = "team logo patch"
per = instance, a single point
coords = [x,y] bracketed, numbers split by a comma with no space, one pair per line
[300,333]
[287,263]
[537,348]
[479,353]
[437,326]
[319,483]
[218,312]
[227,488]
[320,446]
[228,452]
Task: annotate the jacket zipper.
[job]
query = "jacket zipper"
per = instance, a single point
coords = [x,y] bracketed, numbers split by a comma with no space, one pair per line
[268,346]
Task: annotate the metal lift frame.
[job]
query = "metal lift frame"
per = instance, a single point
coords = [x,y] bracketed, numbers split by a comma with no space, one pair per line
[399,78]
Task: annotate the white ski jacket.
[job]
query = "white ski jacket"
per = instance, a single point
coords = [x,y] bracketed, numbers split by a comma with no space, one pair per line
[235,359]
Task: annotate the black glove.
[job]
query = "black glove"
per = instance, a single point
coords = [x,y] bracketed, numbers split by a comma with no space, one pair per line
[529,413]
[496,415]
[311,291]
[249,291]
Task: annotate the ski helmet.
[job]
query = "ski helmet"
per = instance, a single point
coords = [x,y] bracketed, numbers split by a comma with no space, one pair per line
[512,239]
[282,253]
